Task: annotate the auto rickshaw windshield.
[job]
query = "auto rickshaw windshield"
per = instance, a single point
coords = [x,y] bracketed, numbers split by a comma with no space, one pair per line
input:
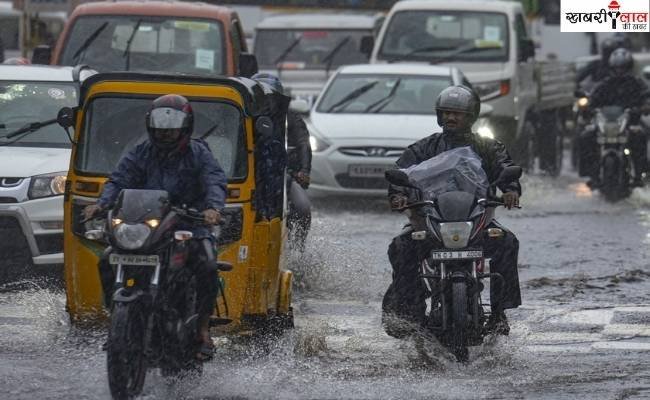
[114,125]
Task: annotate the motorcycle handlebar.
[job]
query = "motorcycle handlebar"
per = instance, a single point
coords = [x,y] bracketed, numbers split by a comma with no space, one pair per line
[484,202]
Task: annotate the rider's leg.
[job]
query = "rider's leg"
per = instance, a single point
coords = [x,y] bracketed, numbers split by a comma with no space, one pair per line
[300,213]
[503,252]
[107,279]
[404,302]
[589,163]
[202,260]
[638,145]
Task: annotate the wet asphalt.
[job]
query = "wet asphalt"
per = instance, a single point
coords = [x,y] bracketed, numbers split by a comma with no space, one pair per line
[583,331]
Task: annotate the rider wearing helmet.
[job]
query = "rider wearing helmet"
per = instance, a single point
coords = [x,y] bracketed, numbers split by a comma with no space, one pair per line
[298,166]
[186,168]
[598,70]
[623,89]
[457,108]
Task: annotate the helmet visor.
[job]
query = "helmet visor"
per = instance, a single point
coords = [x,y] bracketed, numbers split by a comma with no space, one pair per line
[168,118]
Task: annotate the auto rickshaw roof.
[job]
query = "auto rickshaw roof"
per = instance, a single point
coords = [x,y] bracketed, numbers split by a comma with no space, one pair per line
[256,100]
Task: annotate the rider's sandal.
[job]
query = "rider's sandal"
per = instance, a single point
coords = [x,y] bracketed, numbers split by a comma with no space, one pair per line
[206,352]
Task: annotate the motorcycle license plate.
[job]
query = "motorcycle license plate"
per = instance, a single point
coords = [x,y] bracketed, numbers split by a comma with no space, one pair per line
[133,259]
[457,255]
[612,140]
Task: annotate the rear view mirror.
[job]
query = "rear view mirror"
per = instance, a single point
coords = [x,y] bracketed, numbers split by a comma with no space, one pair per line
[42,55]
[646,72]
[367,43]
[510,174]
[526,50]
[247,65]
[264,126]
[66,117]
[300,106]
[397,177]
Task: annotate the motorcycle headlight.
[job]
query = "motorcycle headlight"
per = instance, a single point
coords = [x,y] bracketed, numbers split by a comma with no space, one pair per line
[583,102]
[131,236]
[47,185]
[455,235]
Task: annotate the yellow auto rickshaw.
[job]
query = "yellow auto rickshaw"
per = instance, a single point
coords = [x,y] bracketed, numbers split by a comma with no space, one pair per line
[233,116]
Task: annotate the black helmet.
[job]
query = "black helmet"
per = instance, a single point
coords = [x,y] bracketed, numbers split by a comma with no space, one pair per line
[620,62]
[607,46]
[271,80]
[622,40]
[169,114]
[459,99]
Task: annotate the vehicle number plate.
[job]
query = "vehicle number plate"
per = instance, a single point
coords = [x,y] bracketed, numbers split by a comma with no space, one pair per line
[457,255]
[133,259]
[367,171]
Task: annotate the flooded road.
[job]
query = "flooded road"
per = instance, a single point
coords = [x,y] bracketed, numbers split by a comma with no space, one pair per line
[583,331]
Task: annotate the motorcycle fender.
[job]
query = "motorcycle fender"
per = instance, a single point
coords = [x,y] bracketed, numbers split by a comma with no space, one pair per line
[458,277]
[123,295]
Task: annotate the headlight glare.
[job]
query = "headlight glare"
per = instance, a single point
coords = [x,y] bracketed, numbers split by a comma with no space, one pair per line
[47,185]
[317,144]
[131,236]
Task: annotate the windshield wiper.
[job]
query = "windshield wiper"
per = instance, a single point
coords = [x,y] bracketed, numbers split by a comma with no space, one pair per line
[329,58]
[383,102]
[420,50]
[353,95]
[127,49]
[82,49]
[26,129]
[285,53]
[462,50]
[459,50]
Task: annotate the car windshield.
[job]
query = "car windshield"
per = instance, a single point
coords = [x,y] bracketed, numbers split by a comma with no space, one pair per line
[114,125]
[23,103]
[119,43]
[430,35]
[312,49]
[459,169]
[385,94]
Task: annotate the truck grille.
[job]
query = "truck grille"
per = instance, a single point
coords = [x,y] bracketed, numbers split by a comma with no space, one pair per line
[361,183]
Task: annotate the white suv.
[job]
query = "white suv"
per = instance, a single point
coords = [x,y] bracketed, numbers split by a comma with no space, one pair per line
[34,159]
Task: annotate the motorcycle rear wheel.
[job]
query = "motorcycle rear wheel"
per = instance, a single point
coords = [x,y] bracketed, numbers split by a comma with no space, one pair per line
[126,362]
[459,321]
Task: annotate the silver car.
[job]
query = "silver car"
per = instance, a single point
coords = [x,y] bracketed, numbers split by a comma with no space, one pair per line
[365,118]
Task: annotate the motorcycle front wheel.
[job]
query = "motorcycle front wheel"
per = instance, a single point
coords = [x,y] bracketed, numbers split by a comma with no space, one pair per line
[459,321]
[125,361]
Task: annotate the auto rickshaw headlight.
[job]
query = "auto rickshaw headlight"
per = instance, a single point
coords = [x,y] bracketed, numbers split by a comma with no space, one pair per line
[131,236]
[47,185]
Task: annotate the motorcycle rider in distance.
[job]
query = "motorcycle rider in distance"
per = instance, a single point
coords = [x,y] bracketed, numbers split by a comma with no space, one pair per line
[623,89]
[597,70]
[403,308]
[298,167]
[186,168]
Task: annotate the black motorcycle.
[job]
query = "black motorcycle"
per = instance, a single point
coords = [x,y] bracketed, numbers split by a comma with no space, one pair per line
[456,222]
[154,320]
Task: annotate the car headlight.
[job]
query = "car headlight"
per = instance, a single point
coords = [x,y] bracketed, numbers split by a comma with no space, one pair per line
[131,236]
[484,129]
[317,144]
[47,185]
[491,90]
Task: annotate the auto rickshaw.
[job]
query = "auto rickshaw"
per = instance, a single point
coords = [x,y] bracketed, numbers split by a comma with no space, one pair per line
[243,123]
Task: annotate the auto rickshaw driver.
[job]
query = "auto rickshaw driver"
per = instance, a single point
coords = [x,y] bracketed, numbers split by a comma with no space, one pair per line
[186,168]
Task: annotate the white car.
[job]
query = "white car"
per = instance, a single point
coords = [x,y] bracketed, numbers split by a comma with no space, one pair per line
[34,158]
[364,119]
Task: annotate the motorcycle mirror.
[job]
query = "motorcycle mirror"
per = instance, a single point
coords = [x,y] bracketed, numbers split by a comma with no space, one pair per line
[510,174]
[397,177]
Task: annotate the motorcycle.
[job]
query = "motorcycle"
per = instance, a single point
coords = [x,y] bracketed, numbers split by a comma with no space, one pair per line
[154,319]
[454,221]
[612,126]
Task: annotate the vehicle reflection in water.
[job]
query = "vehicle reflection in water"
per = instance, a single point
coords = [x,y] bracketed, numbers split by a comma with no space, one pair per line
[581,189]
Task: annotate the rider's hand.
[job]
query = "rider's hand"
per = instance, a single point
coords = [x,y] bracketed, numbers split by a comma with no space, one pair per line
[303,179]
[90,210]
[511,199]
[398,201]
[211,216]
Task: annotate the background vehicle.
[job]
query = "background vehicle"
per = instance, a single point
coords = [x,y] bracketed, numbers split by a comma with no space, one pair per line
[176,36]
[35,155]
[302,49]
[110,121]
[490,43]
[366,117]
[456,218]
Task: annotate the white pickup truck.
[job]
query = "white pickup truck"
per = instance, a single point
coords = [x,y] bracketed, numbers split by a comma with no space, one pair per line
[489,42]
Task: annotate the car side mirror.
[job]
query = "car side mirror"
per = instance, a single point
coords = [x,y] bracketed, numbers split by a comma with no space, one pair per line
[42,54]
[66,117]
[526,49]
[485,110]
[301,106]
[366,45]
[247,65]
[397,177]
[510,174]
[264,127]
[646,72]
